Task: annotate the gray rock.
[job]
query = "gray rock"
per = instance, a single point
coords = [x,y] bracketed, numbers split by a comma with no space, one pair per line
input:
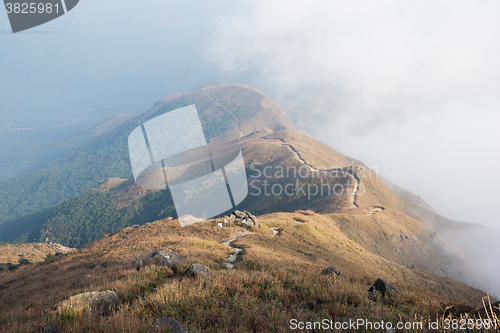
[384,287]
[158,258]
[239,214]
[166,324]
[334,272]
[103,303]
[53,329]
[197,270]
[80,281]
[245,218]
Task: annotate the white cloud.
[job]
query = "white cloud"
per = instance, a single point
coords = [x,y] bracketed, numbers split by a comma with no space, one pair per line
[403,85]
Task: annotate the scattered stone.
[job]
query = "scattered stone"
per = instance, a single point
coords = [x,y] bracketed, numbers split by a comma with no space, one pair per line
[197,270]
[333,271]
[53,329]
[80,281]
[103,303]
[276,231]
[312,256]
[167,324]
[244,218]
[158,258]
[384,287]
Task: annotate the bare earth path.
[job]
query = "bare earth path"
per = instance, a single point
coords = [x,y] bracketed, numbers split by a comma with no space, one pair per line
[351,174]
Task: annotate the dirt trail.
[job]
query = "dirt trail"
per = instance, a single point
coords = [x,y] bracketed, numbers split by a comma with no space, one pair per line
[213,100]
[348,173]
[229,262]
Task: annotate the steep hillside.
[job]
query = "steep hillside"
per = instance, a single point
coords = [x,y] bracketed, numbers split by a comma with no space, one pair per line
[221,111]
[276,278]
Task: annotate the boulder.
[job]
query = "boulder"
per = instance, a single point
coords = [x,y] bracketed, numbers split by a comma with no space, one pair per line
[197,270]
[103,303]
[80,281]
[334,272]
[158,258]
[244,218]
[239,214]
[384,287]
[53,329]
[166,324]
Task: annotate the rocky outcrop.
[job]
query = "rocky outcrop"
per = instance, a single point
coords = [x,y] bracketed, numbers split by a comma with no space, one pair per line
[197,271]
[166,324]
[384,287]
[103,303]
[333,272]
[244,219]
[158,258]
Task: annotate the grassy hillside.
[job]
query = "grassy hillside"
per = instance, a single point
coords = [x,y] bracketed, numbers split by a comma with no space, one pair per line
[221,110]
[273,281]
[13,254]
[119,203]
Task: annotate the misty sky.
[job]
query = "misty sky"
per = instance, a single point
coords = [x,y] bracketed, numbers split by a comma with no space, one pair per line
[410,87]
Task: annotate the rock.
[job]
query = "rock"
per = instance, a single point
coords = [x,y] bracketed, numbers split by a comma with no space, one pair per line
[80,281]
[312,256]
[243,218]
[103,303]
[53,329]
[333,271]
[197,270]
[158,258]
[166,324]
[239,214]
[384,287]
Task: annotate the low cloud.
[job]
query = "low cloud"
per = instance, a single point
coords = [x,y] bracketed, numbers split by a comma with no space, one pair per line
[413,88]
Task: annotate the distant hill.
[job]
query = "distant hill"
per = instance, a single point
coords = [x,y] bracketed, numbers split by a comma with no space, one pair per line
[106,156]
[277,156]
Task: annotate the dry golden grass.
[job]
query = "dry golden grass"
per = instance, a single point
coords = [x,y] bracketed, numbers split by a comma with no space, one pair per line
[34,252]
[273,281]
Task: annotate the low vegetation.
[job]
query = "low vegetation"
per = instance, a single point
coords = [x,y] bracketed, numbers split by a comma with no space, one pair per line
[273,282]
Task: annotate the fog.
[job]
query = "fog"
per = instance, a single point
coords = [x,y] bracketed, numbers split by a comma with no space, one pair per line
[114,56]
[412,88]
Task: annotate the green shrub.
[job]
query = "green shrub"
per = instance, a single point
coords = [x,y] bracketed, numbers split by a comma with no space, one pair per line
[50,258]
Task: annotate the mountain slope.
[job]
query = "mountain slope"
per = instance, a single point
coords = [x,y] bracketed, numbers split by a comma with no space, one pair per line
[81,169]
[273,281]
